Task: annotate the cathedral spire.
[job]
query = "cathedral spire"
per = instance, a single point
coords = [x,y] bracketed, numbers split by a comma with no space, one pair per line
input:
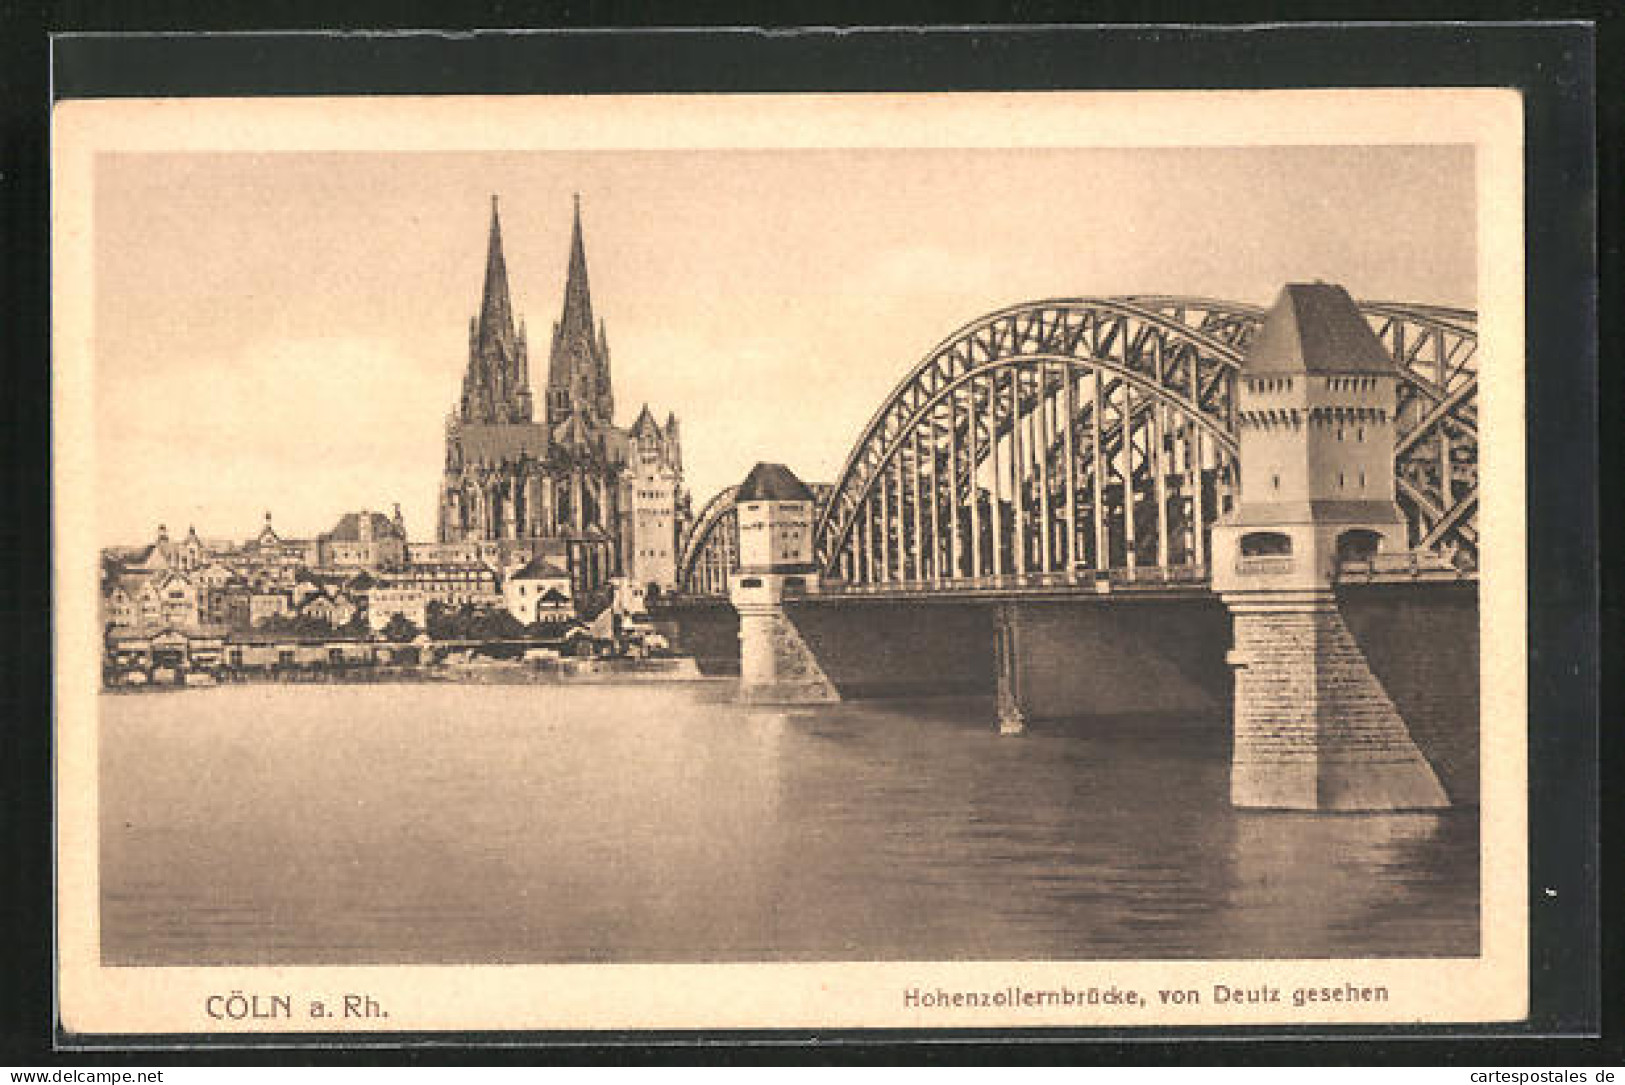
[578,371]
[577,316]
[496,310]
[496,385]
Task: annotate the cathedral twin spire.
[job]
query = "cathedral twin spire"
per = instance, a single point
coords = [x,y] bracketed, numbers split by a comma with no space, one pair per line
[577,317]
[578,368]
[496,309]
[496,387]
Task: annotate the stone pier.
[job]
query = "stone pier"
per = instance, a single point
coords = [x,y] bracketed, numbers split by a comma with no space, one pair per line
[775,664]
[1314,727]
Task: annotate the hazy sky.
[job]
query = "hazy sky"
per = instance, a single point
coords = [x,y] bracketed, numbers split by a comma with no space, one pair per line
[288,332]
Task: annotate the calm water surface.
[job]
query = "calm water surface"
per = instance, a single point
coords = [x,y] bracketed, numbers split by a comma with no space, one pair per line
[471,823]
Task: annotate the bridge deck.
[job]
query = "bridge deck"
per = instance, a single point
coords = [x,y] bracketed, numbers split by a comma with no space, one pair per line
[1141,581]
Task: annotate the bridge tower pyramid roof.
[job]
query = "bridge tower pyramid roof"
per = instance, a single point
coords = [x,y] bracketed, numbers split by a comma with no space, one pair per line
[772,482]
[1315,328]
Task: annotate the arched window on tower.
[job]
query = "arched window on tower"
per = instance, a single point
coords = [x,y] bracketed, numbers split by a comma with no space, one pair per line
[1265,544]
[1358,544]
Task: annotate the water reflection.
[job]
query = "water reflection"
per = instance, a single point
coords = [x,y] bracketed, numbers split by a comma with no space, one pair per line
[1358,878]
[376,824]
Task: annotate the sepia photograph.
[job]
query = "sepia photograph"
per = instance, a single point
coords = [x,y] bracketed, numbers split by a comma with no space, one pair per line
[789,560]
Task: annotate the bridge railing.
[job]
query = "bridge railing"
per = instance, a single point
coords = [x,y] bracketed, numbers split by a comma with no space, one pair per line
[1081,580]
[1410,565]
[1379,568]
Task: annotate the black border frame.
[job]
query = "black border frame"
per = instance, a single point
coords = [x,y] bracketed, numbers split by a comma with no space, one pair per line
[1552,64]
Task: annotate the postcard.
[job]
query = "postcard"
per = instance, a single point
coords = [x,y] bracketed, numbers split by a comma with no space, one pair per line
[705,562]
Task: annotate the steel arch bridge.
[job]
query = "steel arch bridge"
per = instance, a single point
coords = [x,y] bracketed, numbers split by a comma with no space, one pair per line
[1097,435]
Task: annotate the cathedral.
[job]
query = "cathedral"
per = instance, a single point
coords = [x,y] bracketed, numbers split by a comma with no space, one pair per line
[557,479]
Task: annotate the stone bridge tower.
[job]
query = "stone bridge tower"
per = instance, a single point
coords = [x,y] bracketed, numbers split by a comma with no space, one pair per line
[775,511]
[1314,727]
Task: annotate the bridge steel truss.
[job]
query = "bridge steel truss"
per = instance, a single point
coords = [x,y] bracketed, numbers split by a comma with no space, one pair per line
[1436,453]
[1097,436]
[711,550]
[970,474]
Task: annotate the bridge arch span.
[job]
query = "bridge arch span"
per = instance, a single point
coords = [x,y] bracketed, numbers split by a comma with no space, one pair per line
[973,451]
[970,471]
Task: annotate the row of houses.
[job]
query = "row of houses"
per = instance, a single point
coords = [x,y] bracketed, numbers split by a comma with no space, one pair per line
[362,574]
[360,540]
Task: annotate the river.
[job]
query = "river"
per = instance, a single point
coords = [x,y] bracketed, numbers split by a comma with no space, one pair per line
[658,822]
